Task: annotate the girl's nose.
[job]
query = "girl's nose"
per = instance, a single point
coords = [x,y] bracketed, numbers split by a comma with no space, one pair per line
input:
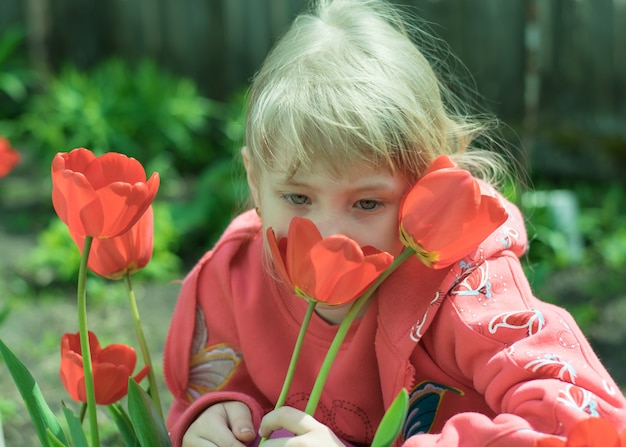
[329,225]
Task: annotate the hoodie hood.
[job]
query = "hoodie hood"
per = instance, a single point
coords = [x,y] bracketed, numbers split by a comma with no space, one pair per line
[510,236]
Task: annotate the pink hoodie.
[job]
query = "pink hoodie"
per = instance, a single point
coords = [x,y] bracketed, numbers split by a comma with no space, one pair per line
[485,362]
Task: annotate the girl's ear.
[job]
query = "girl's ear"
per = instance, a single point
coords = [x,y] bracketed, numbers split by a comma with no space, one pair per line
[250,176]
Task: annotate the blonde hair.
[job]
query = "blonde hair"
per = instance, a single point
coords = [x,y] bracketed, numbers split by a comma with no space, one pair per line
[347,83]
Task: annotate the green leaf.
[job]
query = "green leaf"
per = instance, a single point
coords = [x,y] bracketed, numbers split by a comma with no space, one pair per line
[148,425]
[4,312]
[125,426]
[54,441]
[392,421]
[40,412]
[76,428]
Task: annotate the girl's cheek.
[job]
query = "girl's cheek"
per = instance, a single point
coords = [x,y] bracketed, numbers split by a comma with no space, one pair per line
[396,249]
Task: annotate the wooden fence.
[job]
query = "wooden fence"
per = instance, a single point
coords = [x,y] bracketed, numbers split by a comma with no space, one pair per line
[527,56]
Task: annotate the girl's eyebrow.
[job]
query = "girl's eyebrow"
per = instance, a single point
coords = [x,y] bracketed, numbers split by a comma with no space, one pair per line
[377,185]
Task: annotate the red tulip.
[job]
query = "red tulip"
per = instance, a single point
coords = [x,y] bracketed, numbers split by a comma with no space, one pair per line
[591,432]
[112,366]
[333,270]
[115,257]
[100,196]
[446,214]
[9,157]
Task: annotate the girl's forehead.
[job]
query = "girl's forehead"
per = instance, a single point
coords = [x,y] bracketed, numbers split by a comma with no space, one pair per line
[328,159]
[359,175]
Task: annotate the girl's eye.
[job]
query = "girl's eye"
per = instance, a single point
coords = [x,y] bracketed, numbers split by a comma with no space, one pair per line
[296,199]
[368,204]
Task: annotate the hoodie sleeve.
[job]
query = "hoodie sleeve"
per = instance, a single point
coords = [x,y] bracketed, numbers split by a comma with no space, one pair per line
[530,361]
[202,361]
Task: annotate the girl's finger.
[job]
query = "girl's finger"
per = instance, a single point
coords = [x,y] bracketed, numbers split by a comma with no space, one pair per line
[239,419]
[291,419]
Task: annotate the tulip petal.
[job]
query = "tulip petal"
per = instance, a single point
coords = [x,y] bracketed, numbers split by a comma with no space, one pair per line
[622,437]
[112,366]
[9,157]
[71,191]
[118,354]
[489,216]
[72,373]
[107,257]
[100,196]
[77,160]
[329,271]
[115,257]
[446,214]
[549,441]
[71,370]
[113,167]
[70,342]
[593,432]
[438,204]
[338,270]
[110,382]
[302,235]
[334,270]
[141,374]
[125,204]
[277,250]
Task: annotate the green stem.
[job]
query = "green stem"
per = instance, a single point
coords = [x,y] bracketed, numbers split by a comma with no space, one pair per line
[294,357]
[143,345]
[84,343]
[316,392]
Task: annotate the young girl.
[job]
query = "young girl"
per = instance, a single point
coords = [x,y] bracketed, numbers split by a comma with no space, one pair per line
[344,116]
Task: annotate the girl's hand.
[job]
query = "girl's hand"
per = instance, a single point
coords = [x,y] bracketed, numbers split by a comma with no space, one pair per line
[308,432]
[228,424]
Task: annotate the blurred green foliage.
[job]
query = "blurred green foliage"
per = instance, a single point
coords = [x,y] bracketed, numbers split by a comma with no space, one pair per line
[15,73]
[138,110]
[16,78]
[578,262]
[4,312]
